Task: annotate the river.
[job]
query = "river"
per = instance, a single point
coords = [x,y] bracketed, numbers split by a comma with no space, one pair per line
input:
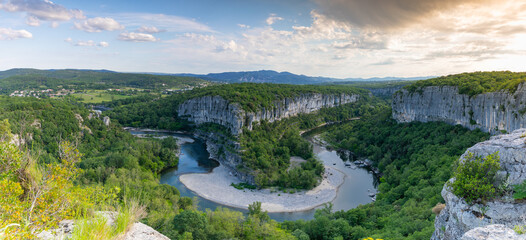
[195,159]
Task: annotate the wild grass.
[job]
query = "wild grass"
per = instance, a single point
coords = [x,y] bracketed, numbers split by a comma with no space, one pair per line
[93,228]
[99,227]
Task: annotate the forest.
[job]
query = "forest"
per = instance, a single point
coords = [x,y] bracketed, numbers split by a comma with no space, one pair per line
[415,159]
[476,82]
[107,168]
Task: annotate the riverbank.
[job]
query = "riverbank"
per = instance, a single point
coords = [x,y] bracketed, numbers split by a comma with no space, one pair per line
[215,186]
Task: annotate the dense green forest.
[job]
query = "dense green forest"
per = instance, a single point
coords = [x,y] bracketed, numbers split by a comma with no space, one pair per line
[107,168]
[416,159]
[268,147]
[27,79]
[476,82]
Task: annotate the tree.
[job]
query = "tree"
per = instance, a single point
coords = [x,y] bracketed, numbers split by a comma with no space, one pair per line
[192,222]
[255,210]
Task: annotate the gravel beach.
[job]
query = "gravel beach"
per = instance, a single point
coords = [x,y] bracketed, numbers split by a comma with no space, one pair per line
[215,186]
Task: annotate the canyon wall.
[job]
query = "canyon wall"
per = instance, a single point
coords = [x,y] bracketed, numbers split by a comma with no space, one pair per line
[231,115]
[493,112]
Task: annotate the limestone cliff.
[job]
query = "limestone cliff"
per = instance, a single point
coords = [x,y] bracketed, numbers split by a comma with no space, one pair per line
[231,115]
[458,217]
[491,112]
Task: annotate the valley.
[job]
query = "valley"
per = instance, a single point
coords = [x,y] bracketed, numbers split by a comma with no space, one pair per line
[289,156]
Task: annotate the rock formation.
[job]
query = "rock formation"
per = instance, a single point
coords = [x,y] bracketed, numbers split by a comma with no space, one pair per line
[231,115]
[458,217]
[491,112]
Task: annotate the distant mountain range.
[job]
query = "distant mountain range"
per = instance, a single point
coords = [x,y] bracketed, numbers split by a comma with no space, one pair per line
[262,76]
[268,76]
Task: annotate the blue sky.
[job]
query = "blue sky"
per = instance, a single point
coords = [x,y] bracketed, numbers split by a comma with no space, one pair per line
[333,38]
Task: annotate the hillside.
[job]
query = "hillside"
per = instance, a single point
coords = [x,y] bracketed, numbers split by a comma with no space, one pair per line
[33,79]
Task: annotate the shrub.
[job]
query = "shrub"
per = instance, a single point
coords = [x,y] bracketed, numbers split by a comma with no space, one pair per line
[475,177]
[438,208]
[520,229]
[519,191]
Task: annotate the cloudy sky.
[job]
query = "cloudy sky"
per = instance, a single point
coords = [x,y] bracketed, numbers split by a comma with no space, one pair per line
[333,38]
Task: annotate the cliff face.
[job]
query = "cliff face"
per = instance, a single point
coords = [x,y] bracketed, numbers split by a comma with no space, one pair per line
[226,151]
[491,112]
[458,217]
[218,110]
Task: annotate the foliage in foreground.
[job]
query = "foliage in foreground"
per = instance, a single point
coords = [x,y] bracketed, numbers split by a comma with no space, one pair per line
[37,197]
[226,224]
[475,177]
[96,227]
[112,157]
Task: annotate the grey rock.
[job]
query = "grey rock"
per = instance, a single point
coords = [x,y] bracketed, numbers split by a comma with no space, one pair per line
[218,110]
[140,231]
[491,112]
[458,217]
[492,232]
[106,121]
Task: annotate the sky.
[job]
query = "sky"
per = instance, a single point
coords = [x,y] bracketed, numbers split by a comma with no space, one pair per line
[330,38]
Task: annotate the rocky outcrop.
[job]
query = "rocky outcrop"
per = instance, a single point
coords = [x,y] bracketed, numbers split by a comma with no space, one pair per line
[226,151]
[106,121]
[458,217]
[492,232]
[231,115]
[491,112]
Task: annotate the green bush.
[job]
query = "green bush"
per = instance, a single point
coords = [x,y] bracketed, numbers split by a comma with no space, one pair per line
[520,191]
[475,177]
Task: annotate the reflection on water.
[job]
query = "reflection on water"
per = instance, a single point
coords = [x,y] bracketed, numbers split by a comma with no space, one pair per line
[195,159]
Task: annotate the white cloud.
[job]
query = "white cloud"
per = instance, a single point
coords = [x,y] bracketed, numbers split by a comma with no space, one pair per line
[99,24]
[149,29]
[137,37]
[272,19]
[229,46]
[32,21]
[10,34]
[89,43]
[243,26]
[169,23]
[41,10]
